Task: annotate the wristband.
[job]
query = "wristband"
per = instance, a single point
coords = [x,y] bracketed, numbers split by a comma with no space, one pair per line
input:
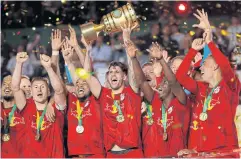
[54,52]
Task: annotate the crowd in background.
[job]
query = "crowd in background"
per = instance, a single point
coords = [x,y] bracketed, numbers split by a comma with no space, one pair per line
[166,31]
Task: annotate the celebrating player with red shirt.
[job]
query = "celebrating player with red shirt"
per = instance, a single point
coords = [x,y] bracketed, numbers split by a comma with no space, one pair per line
[85,134]
[13,123]
[164,133]
[121,110]
[212,123]
[44,138]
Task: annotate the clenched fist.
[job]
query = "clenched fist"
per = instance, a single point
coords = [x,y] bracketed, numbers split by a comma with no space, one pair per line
[45,61]
[21,57]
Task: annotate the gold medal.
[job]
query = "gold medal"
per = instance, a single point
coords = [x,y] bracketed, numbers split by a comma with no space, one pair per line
[6,137]
[150,121]
[164,137]
[203,116]
[80,129]
[120,118]
[37,137]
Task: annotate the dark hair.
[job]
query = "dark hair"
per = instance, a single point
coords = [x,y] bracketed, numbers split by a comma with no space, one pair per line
[119,64]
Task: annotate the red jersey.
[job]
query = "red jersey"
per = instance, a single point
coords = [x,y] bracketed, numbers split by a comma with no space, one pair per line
[51,143]
[152,135]
[218,131]
[91,140]
[125,134]
[13,147]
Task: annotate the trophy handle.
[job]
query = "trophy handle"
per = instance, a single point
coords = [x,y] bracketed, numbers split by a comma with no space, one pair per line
[90,31]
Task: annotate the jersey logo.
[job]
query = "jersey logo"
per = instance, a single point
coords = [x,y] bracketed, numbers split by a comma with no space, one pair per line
[45,124]
[16,120]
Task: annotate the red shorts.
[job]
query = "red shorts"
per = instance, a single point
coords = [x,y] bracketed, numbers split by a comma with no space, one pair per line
[134,153]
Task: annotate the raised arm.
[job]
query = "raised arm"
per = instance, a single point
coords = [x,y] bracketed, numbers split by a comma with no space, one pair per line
[72,41]
[176,88]
[67,51]
[94,84]
[16,79]
[59,94]
[139,75]
[182,73]
[223,62]
[56,45]
[126,29]
[227,71]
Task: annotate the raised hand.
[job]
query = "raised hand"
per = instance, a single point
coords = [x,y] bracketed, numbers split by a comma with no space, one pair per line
[198,44]
[21,57]
[88,45]
[126,30]
[165,56]
[56,40]
[155,51]
[131,49]
[45,61]
[72,40]
[67,51]
[203,18]
[207,35]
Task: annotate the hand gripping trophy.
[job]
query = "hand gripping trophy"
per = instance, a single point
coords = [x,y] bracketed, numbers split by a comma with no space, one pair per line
[110,23]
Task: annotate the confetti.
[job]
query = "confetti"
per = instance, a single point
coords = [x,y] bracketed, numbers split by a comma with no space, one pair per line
[224,32]
[18,33]
[81,73]
[57,19]
[63,1]
[82,7]
[33,28]
[191,33]
[6,13]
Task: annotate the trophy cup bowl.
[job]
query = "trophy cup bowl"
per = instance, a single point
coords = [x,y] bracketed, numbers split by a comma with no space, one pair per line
[110,23]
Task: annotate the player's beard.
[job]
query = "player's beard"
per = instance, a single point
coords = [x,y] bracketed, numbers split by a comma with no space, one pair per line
[82,99]
[8,98]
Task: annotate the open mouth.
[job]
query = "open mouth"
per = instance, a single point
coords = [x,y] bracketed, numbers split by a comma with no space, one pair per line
[40,95]
[114,80]
[81,90]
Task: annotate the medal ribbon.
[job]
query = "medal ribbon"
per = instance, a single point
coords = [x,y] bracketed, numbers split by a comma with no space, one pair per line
[208,99]
[117,104]
[79,113]
[118,107]
[10,116]
[164,118]
[39,120]
[149,110]
[11,113]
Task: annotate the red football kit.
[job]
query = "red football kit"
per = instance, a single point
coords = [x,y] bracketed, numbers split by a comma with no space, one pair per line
[214,128]
[121,122]
[87,141]
[15,145]
[50,142]
[176,114]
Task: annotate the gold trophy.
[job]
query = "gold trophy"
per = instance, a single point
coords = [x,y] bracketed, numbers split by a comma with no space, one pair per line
[110,23]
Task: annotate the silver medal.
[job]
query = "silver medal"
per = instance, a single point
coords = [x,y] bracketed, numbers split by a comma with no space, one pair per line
[80,129]
[203,116]
[120,118]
